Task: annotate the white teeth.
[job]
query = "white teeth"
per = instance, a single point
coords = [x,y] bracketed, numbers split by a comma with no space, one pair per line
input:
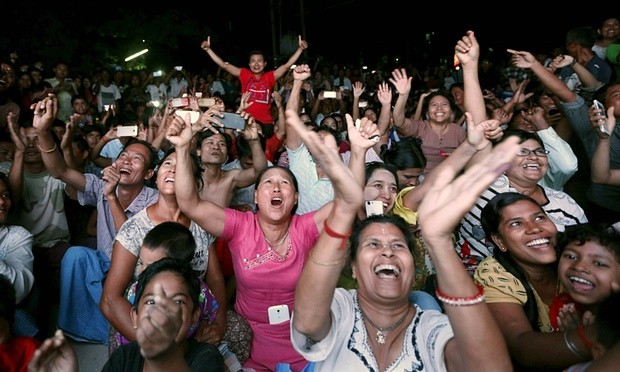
[531,166]
[169,179]
[386,267]
[538,242]
[277,199]
[580,280]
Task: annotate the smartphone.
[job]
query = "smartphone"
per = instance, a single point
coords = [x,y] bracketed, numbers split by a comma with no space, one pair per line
[373,207]
[278,314]
[180,102]
[601,126]
[329,94]
[127,131]
[178,68]
[157,74]
[198,94]
[363,104]
[232,121]
[193,115]
[206,102]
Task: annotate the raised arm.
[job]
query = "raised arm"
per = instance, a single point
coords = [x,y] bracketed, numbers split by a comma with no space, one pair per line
[300,74]
[232,69]
[439,213]
[358,90]
[281,70]
[319,277]
[468,52]
[208,215]
[16,173]
[248,176]
[402,83]
[600,161]
[418,109]
[525,59]
[53,160]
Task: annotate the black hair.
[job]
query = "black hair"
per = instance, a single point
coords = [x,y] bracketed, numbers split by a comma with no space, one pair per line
[196,166]
[153,153]
[288,171]
[395,220]
[169,264]
[523,136]
[94,128]
[585,36]
[372,166]
[328,130]
[207,133]
[404,154]
[243,148]
[580,234]
[446,95]
[173,237]
[490,219]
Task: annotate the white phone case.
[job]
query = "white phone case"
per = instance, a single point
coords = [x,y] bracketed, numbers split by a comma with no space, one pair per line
[374,207]
[278,314]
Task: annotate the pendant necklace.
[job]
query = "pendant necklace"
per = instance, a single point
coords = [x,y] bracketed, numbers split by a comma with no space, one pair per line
[380,336]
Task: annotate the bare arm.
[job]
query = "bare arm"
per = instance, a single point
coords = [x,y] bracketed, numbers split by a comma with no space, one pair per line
[418,109]
[547,78]
[208,215]
[281,70]
[358,90]
[232,69]
[319,277]
[300,74]
[468,52]
[16,173]
[248,176]
[440,212]
[402,83]
[113,304]
[600,160]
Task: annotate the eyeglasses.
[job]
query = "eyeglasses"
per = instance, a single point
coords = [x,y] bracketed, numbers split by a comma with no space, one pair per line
[538,152]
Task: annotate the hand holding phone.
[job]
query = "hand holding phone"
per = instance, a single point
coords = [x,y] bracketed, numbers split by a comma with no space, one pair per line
[127,131]
[232,121]
[193,115]
[602,127]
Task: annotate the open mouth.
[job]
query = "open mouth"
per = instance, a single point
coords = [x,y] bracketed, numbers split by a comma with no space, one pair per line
[276,202]
[580,283]
[124,171]
[538,242]
[387,271]
[169,179]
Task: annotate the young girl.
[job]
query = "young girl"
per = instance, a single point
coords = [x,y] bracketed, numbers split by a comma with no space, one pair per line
[589,270]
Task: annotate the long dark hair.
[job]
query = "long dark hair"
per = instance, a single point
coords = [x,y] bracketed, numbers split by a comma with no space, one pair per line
[490,219]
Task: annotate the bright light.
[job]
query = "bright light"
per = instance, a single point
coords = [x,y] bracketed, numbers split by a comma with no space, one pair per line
[143,51]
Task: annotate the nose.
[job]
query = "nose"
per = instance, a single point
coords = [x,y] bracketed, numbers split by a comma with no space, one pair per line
[532,227]
[386,250]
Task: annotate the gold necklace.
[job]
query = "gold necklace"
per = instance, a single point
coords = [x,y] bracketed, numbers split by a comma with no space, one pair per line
[278,243]
[380,336]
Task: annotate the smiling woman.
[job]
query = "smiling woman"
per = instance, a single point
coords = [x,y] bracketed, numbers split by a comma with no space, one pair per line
[528,168]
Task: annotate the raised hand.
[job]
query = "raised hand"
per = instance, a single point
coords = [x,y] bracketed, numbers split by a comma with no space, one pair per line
[301,72]
[521,59]
[401,82]
[467,49]
[358,89]
[159,325]
[384,93]
[54,355]
[179,132]
[44,112]
[303,44]
[206,44]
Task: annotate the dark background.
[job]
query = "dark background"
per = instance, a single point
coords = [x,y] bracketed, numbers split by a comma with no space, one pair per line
[90,34]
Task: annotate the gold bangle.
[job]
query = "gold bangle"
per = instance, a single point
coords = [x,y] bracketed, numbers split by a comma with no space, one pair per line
[48,151]
[331,263]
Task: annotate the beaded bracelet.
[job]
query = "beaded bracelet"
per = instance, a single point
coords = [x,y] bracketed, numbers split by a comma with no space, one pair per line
[461,301]
[48,151]
[336,235]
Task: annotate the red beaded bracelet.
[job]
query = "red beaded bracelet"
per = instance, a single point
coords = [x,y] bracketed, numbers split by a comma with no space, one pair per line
[336,235]
[461,301]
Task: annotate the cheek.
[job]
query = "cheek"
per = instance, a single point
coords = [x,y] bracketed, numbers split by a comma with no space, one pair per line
[370,193]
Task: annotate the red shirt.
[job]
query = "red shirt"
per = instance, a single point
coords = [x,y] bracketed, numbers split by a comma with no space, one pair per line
[261,90]
[16,354]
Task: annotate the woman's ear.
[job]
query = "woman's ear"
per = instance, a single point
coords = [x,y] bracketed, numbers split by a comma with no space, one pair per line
[134,317]
[196,314]
[499,241]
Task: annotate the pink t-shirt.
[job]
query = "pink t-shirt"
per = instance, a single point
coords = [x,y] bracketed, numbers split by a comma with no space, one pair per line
[261,90]
[266,279]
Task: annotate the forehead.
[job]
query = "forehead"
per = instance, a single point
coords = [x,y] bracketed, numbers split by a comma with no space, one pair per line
[439,99]
[530,143]
[381,174]
[276,172]
[387,230]
[519,208]
[138,148]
